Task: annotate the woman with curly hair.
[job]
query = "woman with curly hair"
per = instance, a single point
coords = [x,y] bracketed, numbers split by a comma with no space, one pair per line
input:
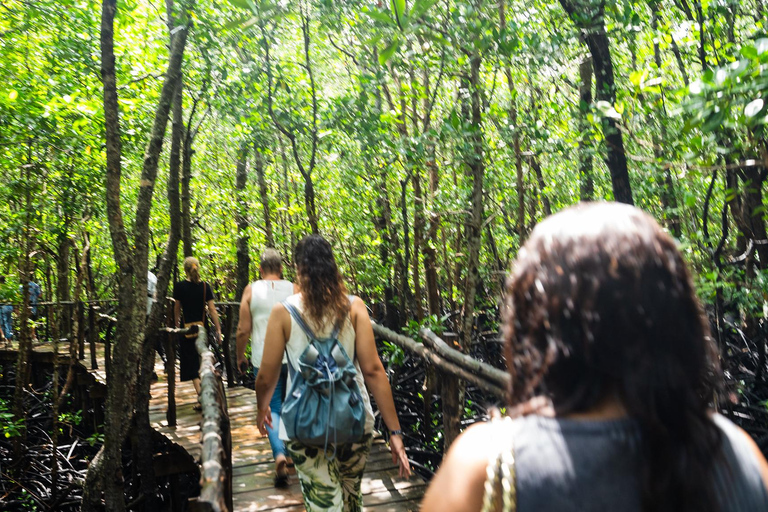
[330,477]
[611,356]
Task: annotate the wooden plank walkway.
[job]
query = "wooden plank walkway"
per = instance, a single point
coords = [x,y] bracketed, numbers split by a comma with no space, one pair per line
[252,465]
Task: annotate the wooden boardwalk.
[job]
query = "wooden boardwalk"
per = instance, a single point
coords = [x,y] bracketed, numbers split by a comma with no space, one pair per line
[252,466]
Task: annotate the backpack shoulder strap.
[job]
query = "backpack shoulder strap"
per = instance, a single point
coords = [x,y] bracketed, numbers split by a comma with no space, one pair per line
[299,319]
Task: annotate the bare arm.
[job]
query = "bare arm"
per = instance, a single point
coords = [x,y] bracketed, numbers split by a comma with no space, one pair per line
[215,317]
[761,462]
[377,382]
[459,483]
[278,332]
[244,326]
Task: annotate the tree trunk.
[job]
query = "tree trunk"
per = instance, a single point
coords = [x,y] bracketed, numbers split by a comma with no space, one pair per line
[430,253]
[668,195]
[241,217]
[186,197]
[62,278]
[258,159]
[587,188]
[591,20]
[473,159]
[418,241]
[131,261]
[25,335]
[390,245]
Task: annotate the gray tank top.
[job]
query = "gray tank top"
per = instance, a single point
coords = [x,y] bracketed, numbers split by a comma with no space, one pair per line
[565,465]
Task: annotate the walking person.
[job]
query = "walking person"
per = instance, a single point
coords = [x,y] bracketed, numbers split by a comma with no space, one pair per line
[611,358]
[35,292]
[256,304]
[330,475]
[7,298]
[192,296]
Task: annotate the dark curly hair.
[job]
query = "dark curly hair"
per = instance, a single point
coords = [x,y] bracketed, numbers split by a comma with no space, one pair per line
[320,281]
[600,302]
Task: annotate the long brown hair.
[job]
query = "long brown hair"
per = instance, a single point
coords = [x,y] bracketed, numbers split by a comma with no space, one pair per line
[600,302]
[320,281]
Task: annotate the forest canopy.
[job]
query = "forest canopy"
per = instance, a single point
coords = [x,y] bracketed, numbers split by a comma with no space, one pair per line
[423,138]
[372,121]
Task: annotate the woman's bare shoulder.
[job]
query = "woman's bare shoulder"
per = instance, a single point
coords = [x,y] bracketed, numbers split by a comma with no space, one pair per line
[458,484]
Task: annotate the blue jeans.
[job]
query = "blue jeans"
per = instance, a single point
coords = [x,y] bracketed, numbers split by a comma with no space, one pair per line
[5,321]
[275,405]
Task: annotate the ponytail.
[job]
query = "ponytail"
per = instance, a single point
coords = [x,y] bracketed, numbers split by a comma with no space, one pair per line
[192,269]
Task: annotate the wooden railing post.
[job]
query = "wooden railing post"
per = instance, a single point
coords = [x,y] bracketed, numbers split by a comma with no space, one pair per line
[108,347]
[226,339]
[170,365]
[93,334]
[449,392]
[81,329]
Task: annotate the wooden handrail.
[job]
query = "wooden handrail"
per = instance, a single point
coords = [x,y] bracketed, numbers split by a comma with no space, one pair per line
[452,361]
[499,377]
[216,457]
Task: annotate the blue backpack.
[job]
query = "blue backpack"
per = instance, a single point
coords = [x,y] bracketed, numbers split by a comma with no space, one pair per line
[324,405]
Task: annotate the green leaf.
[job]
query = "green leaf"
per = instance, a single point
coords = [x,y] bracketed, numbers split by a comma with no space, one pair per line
[420,8]
[387,52]
[238,23]
[398,6]
[241,4]
[380,16]
[714,121]
[749,52]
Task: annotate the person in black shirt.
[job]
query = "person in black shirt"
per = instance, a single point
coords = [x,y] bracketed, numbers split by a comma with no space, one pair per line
[192,296]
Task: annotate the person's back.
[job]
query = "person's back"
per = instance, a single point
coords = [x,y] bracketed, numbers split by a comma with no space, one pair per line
[609,348]
[564,465]
[264,295]
[298,342]
[330,472]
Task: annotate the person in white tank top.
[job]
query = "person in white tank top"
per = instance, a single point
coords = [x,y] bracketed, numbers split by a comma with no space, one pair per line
[330,481]
[255,306]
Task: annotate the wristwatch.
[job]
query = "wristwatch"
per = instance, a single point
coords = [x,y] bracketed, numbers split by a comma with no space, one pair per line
[395,433]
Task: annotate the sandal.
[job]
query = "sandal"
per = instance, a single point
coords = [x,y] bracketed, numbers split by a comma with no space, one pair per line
[281,475]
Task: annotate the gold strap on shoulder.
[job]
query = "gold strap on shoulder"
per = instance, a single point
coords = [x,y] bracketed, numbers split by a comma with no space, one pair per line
[500,471]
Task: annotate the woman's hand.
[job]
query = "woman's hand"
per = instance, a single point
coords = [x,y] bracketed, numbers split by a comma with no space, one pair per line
[263,419]
[399,456]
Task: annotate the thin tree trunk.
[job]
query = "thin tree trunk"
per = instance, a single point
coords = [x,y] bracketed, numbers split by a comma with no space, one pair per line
[430,253]
[418,241]
[62,277]
[131,261]
[512,113]
[258,159]
[186,198]
[536,166]
[474,162]
[587,187]
[306,172]
[405,289]
[668,195]
[241,218]
[25,338]
[390,245]
[593,25]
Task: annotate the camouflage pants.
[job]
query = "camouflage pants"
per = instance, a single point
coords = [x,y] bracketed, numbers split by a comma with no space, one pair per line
[331,484]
